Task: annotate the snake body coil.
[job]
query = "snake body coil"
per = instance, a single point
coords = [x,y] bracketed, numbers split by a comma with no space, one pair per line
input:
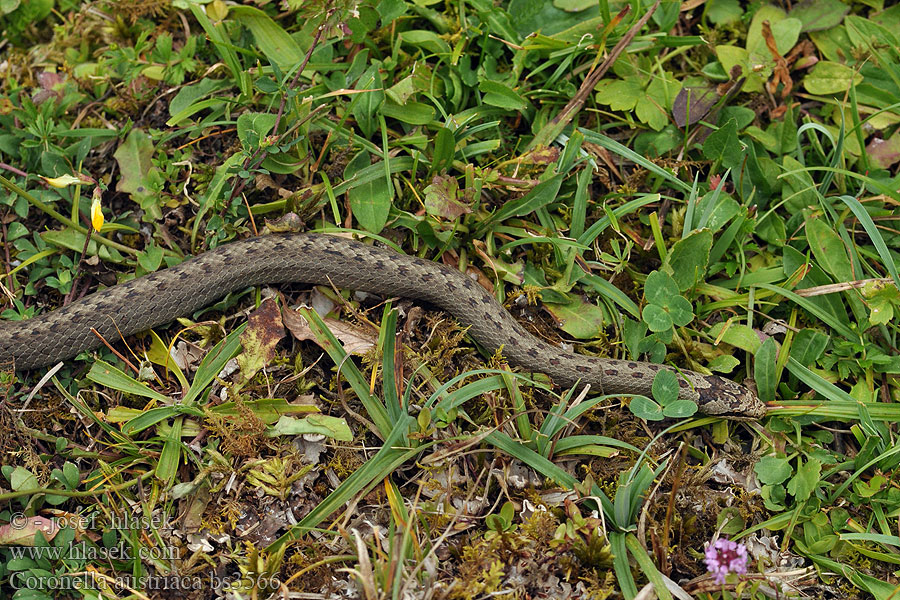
[158,298]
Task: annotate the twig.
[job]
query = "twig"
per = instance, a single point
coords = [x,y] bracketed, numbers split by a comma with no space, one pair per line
[552,129]
[261,154]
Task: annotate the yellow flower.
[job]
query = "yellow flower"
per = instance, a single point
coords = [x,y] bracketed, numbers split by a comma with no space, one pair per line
[96,210]
[66,180]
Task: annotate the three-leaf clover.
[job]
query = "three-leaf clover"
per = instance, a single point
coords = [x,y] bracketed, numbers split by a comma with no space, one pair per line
[665,307]
[665,401]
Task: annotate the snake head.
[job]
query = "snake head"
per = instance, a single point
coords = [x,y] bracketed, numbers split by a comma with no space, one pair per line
[724,398]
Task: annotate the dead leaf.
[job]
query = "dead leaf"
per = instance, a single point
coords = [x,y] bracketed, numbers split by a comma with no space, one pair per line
[693,103]
[21,531]
[884,153]
[780,74]
[542,155]
[443,198]
[264,331]
[355,340]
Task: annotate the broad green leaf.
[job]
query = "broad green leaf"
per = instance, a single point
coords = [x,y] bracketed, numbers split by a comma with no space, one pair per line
[444,150]
[723,144]
[764,370]
[332,427]
[881,298]
[276,43]
[799,191]
[368,100]
[660,288]
[656,318]
[23,479]
[756,43]
[74,240]
[646,409]
[191,94]
[734,56]
[864,33]
[501,95]
[150,417]
[414,113]
[830,78]
[687,261]
[808,345]
[150,258]
[717,209]
[681,310]
[620,94]
[170,456]
[108,376]
[253,127]
[723,12]
[389,10]
[737,335]
[139,177]
[772,470]
[370,202]
[660,94]
[805,481]
[724,363]
[665,387]
[582,320]
[828,248]
[832,43]
[680,409]
[816,15]
[428,41]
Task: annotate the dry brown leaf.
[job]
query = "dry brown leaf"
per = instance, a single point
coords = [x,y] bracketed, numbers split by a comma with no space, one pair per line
[264,331]
[355,340]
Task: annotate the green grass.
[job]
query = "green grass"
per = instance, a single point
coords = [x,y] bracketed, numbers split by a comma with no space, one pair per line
[672,183]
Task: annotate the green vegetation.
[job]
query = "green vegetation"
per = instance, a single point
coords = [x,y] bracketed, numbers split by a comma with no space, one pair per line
[711,185]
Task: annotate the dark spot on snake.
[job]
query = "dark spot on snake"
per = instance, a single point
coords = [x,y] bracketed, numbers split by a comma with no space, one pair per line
[427,277]
[682,383]
[451,286]
[472,302]
[611,372]
[334,252]
[532,353]
[653,367]
[632,365]
[554,362]
[498,325]
[486,300]
[637,375]
[593,360]
[582,369]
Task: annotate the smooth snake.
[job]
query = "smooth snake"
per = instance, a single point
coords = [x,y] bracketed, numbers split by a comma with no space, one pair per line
[159,297]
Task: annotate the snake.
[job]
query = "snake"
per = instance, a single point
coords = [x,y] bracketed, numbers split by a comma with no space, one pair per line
[158,298]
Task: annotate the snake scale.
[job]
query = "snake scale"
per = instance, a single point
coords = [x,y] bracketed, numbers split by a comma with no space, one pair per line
[159,297]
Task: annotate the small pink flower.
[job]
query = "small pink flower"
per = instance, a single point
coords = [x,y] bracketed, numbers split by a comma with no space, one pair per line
[724,557]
